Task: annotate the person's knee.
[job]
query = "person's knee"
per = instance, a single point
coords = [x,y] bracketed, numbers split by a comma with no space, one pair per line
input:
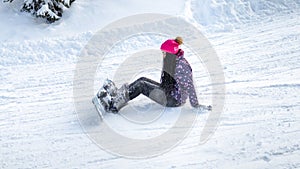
[142,79]
[142,82]
[137,85]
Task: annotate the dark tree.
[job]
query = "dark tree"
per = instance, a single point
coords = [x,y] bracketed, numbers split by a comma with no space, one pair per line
[51,10]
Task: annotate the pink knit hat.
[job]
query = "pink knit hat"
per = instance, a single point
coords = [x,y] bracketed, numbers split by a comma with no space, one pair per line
[170,46]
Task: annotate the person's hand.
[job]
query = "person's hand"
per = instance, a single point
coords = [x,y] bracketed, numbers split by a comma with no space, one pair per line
[204,107]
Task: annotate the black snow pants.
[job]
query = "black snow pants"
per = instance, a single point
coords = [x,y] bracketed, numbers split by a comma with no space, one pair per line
[152,90]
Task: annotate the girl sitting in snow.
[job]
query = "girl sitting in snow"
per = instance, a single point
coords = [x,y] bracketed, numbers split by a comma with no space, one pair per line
[176,83]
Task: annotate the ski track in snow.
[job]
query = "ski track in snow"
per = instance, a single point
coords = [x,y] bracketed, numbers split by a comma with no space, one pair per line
[259,127]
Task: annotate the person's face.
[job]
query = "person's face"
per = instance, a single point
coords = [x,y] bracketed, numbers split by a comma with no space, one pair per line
[164,54]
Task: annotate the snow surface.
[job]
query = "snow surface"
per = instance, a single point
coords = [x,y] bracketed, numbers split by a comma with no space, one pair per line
[257,43]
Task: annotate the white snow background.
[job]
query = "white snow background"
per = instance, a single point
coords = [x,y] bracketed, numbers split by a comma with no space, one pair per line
[257,41]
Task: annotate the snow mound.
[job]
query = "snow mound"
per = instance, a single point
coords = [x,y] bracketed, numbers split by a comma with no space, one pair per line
[226,15]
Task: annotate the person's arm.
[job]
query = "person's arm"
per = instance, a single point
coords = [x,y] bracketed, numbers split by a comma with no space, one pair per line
[185,79]
[192,93]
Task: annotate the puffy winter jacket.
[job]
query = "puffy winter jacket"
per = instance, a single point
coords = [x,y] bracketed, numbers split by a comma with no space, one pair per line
[184,86]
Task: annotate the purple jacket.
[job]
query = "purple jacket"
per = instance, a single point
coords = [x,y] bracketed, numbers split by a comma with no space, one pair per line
[184,87]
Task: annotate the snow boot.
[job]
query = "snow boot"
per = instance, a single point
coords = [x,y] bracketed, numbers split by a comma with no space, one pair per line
[120,99]
[108,88]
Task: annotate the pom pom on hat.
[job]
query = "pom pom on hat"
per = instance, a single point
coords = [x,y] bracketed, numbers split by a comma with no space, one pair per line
[179,40]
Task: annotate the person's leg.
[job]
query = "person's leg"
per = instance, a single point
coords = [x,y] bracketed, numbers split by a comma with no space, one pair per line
[143,86]
[152,90]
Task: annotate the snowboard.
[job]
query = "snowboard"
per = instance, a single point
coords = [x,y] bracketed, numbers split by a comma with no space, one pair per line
[103,99]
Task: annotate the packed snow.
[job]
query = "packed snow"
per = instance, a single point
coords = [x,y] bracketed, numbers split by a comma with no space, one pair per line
[257,43]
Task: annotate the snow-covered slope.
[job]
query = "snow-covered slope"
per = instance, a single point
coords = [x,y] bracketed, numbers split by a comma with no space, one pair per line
[257,43]
[226,15]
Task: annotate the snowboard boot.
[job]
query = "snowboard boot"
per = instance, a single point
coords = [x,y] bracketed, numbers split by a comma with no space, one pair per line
[120,99]
[103,99]
[108,88]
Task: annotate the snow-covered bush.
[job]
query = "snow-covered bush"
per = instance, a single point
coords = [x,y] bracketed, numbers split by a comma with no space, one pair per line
[51,10]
